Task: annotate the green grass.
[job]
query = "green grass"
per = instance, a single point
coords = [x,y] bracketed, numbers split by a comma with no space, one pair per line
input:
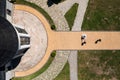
[46,15]
[71,14]
[102,15]
[65,74]
[100,65]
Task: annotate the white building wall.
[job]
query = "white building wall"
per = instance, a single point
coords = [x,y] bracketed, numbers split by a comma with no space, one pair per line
[9,75]
[10,7]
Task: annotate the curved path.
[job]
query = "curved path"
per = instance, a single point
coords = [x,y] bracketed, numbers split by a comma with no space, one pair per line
[48,30]
[38,39]
[61,56]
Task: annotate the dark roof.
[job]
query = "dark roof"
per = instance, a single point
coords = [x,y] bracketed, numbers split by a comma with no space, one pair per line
[3,8]
[2,75]
[8,41]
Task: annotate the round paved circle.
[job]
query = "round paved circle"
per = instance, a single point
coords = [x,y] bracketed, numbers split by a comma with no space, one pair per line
[38,39]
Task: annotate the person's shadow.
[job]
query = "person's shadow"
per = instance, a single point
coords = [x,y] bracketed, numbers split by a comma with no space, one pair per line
[49,3]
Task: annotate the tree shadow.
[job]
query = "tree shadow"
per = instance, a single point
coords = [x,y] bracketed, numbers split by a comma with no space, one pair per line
[49,3]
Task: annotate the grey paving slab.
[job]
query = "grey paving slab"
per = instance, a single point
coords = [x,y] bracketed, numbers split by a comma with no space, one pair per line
[73,65]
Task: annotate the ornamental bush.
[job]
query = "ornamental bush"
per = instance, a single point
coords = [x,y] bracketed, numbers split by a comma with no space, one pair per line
[57,1]
[53,27]
[53,54]
[12,1]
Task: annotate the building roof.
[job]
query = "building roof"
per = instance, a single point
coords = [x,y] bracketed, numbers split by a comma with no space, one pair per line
[3,8]
[2,75]
[8,41]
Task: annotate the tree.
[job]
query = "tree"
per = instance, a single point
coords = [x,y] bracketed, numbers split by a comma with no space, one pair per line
[56,1]
[12,1]
[53,27]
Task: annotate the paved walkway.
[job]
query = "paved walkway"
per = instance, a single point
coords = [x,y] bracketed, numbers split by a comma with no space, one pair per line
[61,56]
[73,65]
[76,27]
[55,14]
[38,44]
[62,41]
[56,66]
[80,14]
[62,8]
[59,13]
[60,22]
[47,28]
[72,40]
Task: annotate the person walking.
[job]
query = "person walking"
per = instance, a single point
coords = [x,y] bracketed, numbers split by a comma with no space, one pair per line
[99,40]
[83,39]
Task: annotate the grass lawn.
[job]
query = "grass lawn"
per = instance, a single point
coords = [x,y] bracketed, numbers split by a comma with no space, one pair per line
[102,15]
[71,14]
[100,65]
[48,18]
[65,74]
[30,77]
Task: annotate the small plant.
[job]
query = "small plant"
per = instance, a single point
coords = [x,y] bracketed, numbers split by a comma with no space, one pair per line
[53,27]
[53,54]
[12,1]
[57,1]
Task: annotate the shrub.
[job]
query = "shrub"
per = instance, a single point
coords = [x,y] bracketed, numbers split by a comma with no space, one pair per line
[53,27]
[12,1]
[57,1]
[53,54]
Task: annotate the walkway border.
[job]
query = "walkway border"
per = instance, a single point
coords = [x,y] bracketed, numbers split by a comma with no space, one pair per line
[48,31]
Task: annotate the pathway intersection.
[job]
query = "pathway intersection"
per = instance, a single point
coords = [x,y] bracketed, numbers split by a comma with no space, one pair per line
[70,40]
